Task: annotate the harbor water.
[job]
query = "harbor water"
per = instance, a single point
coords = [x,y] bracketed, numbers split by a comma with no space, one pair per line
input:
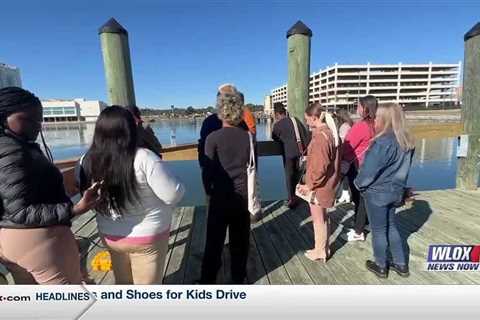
[434,165]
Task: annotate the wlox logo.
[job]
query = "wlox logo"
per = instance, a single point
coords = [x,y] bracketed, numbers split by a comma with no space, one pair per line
[445,257]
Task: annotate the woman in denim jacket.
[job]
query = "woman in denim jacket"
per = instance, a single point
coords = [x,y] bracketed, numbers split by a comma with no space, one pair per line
[382,181]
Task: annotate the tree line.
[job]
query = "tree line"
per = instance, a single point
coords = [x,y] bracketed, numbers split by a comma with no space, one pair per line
[190,111]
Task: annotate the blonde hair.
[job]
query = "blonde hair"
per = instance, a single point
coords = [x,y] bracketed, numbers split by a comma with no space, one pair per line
[318,111]
[393,118]
[230,104]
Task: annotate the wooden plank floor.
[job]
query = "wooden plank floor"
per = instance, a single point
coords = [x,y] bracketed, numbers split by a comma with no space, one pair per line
[279,239]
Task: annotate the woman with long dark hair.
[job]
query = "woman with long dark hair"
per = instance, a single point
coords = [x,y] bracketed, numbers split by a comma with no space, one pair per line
[354,148]
[382,181]
[139,196]
[36,243]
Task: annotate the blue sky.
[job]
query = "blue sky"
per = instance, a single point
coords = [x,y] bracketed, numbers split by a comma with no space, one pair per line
[182,50]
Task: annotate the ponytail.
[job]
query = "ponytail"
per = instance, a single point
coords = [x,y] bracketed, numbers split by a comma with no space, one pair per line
[316,110]
[331,124]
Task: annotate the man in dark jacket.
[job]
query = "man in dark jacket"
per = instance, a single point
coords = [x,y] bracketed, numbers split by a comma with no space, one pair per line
[284,132]
[210,124]
[146,136]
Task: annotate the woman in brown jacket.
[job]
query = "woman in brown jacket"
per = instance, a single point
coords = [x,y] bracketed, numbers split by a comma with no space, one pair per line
[322,176]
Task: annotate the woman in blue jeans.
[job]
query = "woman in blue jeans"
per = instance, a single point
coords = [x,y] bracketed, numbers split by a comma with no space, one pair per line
[382,181]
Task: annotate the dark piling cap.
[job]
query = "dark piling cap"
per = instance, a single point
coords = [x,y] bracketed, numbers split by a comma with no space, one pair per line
[475,31]
[112,26]
[299,28]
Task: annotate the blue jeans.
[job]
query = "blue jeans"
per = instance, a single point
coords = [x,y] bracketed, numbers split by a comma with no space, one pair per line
[385,234]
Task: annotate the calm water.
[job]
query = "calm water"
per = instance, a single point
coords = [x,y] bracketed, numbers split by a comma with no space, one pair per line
[434,167]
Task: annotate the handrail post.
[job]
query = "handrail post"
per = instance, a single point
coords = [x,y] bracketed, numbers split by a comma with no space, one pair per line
[469,167]
[298,38]
[117,64]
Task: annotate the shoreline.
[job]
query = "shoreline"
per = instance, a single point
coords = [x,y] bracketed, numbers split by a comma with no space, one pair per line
[417,117]
[419,131]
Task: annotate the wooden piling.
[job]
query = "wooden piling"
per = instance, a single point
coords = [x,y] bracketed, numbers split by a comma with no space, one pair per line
[298,69]
[469,167]
[116,61]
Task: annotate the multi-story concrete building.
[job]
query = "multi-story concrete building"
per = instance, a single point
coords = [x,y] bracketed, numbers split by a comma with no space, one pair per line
[9,76]
[407,84]
[72,110]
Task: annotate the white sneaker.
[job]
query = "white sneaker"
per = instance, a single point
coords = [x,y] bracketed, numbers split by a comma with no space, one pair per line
[344,198]
[346,235]
[353,236]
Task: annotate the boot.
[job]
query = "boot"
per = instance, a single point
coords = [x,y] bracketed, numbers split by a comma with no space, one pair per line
[402,271]
[376,269]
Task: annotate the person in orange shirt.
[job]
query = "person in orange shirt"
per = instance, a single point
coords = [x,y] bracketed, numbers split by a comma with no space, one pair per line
[249,122]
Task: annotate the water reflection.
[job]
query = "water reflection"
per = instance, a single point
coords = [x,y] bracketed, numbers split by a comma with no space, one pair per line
[434,165]
[68,135]
[435,149]
[173,137]
[268,129]
[172,132]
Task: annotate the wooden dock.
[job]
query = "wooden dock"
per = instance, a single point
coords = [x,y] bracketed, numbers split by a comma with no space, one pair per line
[279,239]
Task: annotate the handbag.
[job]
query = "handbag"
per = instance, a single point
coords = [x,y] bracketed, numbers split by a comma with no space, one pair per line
[310,197]
[254,204]
[302,159]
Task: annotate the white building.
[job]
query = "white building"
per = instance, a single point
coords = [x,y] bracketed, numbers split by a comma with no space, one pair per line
[268,105]
[406,84]
[9,76]
[72,110]
[90,109]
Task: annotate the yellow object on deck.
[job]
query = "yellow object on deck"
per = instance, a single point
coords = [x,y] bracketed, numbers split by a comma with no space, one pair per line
[102,262]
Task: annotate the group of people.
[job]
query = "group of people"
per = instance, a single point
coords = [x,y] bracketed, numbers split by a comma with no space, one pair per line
[121,177]
[132,191]
[367,161]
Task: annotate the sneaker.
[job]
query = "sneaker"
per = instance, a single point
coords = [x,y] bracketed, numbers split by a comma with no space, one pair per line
[353,236]
[345,235]
[344,198]
[402,271]
[376,269]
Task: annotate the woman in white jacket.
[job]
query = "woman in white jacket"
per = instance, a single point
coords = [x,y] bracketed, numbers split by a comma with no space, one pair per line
[139,196]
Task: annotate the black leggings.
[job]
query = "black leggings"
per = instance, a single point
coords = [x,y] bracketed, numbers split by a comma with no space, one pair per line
[361,219]
[227,211]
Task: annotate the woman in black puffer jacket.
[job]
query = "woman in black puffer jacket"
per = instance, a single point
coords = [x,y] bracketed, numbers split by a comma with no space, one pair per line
[36,243]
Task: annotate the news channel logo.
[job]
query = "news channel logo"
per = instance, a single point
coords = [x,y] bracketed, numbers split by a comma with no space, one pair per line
[447,257]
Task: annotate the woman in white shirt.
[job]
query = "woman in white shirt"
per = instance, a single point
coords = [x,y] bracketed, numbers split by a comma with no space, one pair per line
[139,196]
